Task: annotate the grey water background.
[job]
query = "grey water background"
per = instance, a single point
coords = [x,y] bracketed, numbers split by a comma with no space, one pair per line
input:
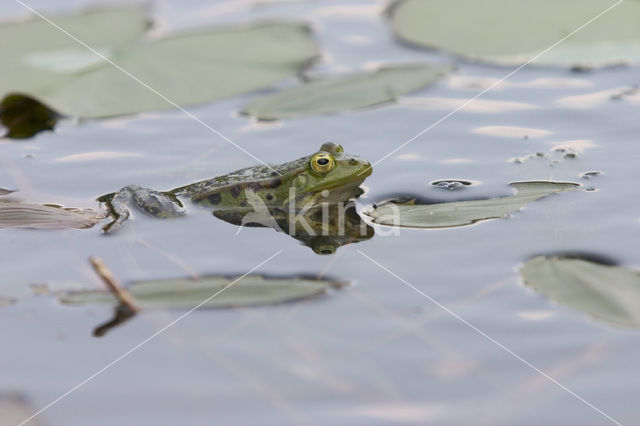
[376,352]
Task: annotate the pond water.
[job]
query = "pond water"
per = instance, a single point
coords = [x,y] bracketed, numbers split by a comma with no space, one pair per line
[377,351]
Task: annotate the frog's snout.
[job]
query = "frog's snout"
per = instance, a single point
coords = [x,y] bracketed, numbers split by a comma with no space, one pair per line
[364,167]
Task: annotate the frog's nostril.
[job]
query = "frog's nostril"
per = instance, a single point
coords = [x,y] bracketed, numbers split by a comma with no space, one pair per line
[354,162]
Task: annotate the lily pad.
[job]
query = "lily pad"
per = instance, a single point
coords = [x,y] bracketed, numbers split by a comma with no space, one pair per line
[185,293]
[43,62]
[462,213]
[514,31]
[605,292]
[356,91]
[188,69]
[36,55]
[22,215]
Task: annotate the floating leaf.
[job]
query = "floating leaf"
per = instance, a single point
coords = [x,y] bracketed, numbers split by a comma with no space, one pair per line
[36,55]
[19,215]
[24,116]
[333,94]
[184,293]
[188,69]
[461,213]
[514,31]
[605,292]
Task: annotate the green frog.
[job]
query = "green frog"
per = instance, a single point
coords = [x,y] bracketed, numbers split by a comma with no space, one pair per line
[328,176]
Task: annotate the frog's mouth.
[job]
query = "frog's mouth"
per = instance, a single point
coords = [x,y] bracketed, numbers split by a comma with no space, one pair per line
[349,182]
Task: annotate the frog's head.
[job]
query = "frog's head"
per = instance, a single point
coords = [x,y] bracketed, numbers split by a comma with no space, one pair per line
[331,169]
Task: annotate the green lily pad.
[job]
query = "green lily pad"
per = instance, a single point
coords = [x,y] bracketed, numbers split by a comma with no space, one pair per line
[356,91]
[199,66]
[462,213]
[188,69]
[185,293]
[514,31]
[607,293]
[36,55]
[36,216]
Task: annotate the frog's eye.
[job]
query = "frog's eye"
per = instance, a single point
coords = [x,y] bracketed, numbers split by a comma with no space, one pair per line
[322,163]
[331,147]
[324,250]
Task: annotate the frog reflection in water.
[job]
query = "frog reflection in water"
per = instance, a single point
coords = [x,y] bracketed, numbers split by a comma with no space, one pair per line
[307,191]
[323,228]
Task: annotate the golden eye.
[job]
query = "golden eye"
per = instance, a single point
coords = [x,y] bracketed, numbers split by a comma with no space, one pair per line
[322,163]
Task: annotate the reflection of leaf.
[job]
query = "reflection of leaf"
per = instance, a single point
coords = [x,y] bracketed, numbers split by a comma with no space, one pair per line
[6,301]
[186,293]
[464,212]
[19,215]
[24,116]
[333,94]
[597,99]
[15,408]
[35,55]
[188,69]
[514,31]
[607,293]
[482,106]
[6,191]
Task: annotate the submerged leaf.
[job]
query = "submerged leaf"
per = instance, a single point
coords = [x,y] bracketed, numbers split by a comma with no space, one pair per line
[36,55]
[188,69]
[514,31]
[24,116]
[605,292]
[464,212]
[333,94]
[185,293]
[20,215]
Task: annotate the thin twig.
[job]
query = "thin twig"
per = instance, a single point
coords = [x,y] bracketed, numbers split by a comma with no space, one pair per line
[120,293]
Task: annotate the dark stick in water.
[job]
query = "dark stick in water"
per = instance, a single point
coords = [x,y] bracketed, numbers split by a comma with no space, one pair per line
[127,307]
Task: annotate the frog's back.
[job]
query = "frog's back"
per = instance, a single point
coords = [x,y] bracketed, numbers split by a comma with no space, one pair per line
[214,191]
